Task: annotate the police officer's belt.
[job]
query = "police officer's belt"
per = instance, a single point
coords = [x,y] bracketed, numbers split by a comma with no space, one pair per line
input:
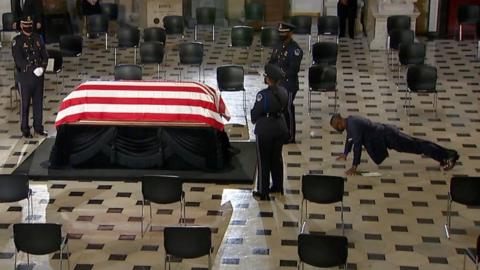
[273,115]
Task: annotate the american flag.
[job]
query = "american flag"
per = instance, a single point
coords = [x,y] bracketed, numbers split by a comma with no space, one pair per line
[144,101]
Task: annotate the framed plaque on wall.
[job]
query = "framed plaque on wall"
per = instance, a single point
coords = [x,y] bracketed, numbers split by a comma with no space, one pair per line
[156,10]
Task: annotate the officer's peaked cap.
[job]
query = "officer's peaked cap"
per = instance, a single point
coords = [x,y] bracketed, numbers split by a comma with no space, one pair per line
[285,27]
[26,20]
[274,72]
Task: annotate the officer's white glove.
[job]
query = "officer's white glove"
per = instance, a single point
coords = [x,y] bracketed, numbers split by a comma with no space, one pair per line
[38,71]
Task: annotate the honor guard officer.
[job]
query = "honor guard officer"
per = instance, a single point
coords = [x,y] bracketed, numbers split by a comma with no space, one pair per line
[271,132]
[31,59]
[378,138]
[288,56]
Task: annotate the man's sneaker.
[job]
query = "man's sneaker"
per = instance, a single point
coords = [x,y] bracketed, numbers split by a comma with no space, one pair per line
[451,161]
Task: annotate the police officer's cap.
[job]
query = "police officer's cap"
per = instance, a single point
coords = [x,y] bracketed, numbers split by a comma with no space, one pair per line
[285,27]
[274,72]
[26,20]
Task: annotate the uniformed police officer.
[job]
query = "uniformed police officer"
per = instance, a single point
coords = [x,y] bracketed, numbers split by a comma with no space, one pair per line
[271,132]
[288,56]
[377,138]
[31,59]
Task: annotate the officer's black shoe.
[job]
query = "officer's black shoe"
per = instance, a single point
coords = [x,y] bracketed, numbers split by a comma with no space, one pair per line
[27,135]
[451,161]
[41,133]
[262,197]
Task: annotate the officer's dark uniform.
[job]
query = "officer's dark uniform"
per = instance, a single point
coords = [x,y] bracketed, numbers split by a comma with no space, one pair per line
[271,132]
[29,53]
[288,56]
[378,138]
[347,12]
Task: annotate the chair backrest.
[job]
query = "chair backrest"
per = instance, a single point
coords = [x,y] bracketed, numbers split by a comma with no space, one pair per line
[71,45]
[398,22]
[401,36]
[191,53]
[269,37]
[174,25]
[128,37]
[8,18]
[161,189]
[37,238]
[110,10]
[465,190]
[187,241]
[13,188]
[303,24]
[322,78]
[468,14]
[152,52]
[322,250]
[422,78]
[254,11]
[328,25]
[128,72]
[56,55]
[97,23]
[205,15]
[412,54]
[154,34]
[325,53]
[230,78]
[322,188]
[242,36]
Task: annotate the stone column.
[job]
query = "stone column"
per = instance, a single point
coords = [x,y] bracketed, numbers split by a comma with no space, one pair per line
[381,10]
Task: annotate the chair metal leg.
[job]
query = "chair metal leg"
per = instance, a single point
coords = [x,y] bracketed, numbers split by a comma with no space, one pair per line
[309,42]
[135,55]
[449,217]
[435,102]
[115,57]
[106,41]
[460,33]
[199,72]
[141,220]
[335,102]
[301,214]
[15,260]
[309,97]
[478,48]
[158,71]
[213,33]
[61,259]
[195,32]
[209,262]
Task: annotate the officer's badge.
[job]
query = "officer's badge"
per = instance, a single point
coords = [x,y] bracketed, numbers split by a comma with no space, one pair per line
[297,52]
[259,97]
[14,42]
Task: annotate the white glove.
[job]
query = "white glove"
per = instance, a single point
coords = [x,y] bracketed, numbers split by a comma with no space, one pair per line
[38,71]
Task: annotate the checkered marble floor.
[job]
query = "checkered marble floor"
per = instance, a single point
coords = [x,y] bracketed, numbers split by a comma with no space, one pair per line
[394,221]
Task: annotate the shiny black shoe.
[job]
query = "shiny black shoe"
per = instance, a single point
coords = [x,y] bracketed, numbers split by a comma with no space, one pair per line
[27,135]
[262,197]
[41,133]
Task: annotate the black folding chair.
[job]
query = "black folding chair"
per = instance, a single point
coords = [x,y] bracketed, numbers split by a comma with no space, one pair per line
[154,34]
[410,54]
[322,250]
[325,53]
[162,190]
[463,190]
[322,189]
[230,78]
[128,72]
[14,188]
[191,54]
[269,38]
[128,37]
[152,53]
[98,24]
[467,14]
[57,57]
[205,16]
[174,25]
[397,37]
[40,239]
[303,26]
[187,242]
[399,22]
[322,78]
[421,79]
[241,37]
[327,26]
[8,18]
[254,12]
